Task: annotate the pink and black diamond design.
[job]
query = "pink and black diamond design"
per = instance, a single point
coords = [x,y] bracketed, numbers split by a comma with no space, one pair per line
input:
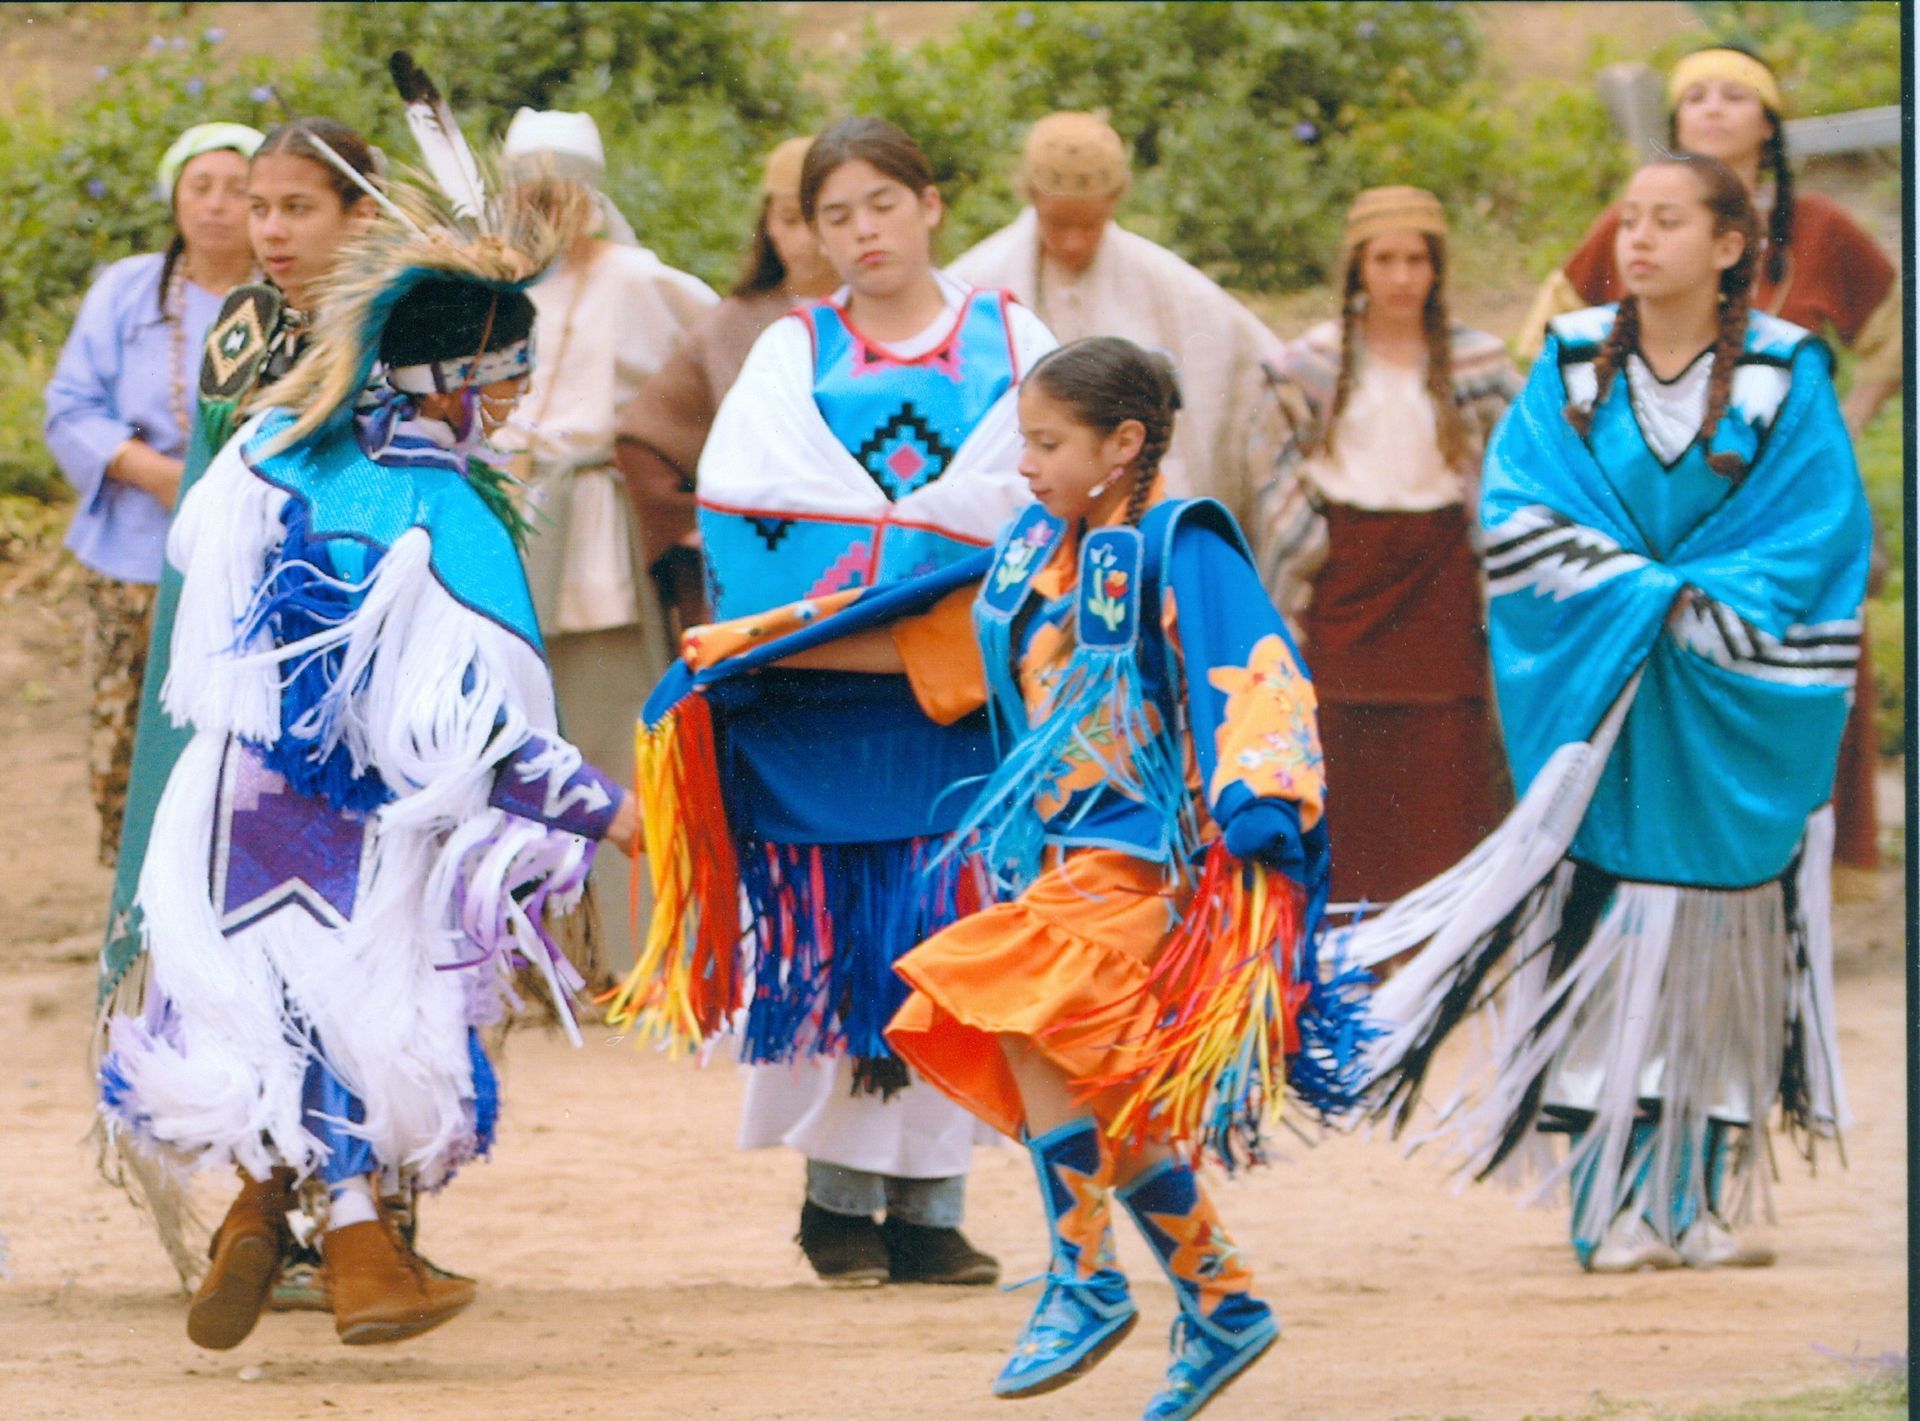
[904,454]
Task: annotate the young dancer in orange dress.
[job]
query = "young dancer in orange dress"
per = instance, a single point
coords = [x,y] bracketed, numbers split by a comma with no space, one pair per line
[1145,989]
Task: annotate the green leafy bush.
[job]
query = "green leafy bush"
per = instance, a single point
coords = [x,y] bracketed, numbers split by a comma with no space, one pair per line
[1251,125]
[1883,470]
[492,58]
[689,97]
[26,468]
[77,185]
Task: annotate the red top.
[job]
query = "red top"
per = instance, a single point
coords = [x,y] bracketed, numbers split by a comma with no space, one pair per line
[1836,274]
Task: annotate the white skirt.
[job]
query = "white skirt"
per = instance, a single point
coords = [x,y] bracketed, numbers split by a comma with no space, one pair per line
[810,1106]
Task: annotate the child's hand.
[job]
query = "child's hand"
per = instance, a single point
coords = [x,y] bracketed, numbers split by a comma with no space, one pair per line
[624,832]
[1682,605]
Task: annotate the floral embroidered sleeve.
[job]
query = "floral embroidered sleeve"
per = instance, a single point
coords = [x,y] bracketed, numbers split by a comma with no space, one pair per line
[1250,701]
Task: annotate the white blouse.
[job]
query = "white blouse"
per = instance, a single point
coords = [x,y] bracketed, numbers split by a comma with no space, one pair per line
[1386,450]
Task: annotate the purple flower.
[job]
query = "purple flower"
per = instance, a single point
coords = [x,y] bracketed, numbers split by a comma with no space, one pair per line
[157,42]
[196,87]
[1093,31]
[1024,19]
[1305,131]
[261,93]
[214,35]
[1453,44]
[177,42]
[100,71]
[96,188]
[1366,29]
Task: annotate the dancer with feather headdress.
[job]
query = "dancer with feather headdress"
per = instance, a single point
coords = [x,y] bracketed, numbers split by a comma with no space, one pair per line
[375,810]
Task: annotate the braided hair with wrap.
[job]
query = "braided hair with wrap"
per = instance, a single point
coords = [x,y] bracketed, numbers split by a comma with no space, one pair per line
[1106,381]
[1450,427]
[1725,197]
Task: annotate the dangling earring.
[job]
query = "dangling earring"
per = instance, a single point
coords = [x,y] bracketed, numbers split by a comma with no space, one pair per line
[1100,488]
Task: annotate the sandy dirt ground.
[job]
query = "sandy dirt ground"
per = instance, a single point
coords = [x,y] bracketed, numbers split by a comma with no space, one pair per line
[633,1264]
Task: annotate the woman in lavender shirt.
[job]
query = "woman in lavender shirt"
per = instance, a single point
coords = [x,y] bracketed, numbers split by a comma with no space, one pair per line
[119,414]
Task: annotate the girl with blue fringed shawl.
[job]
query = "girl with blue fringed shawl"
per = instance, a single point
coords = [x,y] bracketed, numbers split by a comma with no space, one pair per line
[1676,551]
[358,843]
[1147,987]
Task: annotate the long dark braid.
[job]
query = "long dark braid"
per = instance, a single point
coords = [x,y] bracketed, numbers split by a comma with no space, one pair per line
[1143,478]
[1736,302]
[1780,220]
[1450,429]
[1622,339]
[1107,381]
[1351,306]
[1725,197]
[175,250]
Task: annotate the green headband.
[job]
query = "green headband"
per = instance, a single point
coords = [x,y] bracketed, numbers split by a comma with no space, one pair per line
[205,138]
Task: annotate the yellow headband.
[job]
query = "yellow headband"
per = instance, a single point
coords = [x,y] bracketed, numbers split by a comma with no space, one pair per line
[1729,64]
[1391,209]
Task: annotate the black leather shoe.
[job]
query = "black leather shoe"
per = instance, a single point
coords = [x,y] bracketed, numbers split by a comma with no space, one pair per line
[845,1250]
[918,1254]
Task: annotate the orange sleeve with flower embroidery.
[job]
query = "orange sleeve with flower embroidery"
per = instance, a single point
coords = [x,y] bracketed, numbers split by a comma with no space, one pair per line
[1251,704]
[941,655]
[1269,738]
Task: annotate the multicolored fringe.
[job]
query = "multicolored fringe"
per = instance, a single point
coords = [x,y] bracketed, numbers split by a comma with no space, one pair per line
[829,922]
[1245,1013]
[824,922]
[686,983]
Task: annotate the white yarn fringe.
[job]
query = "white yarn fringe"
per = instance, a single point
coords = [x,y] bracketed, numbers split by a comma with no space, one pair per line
[1813,986]
[1685,996]
[1682,996]
[436,696]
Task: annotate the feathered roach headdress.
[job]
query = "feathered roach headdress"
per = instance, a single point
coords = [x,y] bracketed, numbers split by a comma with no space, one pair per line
[424,242]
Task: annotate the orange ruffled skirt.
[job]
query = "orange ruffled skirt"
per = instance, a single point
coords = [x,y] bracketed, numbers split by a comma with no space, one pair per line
[1063,967]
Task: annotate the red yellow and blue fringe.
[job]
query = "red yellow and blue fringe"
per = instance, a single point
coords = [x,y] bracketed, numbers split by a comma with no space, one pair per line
[687,982]
[802,936]
[1244,1014]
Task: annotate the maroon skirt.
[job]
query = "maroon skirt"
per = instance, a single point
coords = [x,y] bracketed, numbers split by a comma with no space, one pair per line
[1856,817]
[1397,643]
